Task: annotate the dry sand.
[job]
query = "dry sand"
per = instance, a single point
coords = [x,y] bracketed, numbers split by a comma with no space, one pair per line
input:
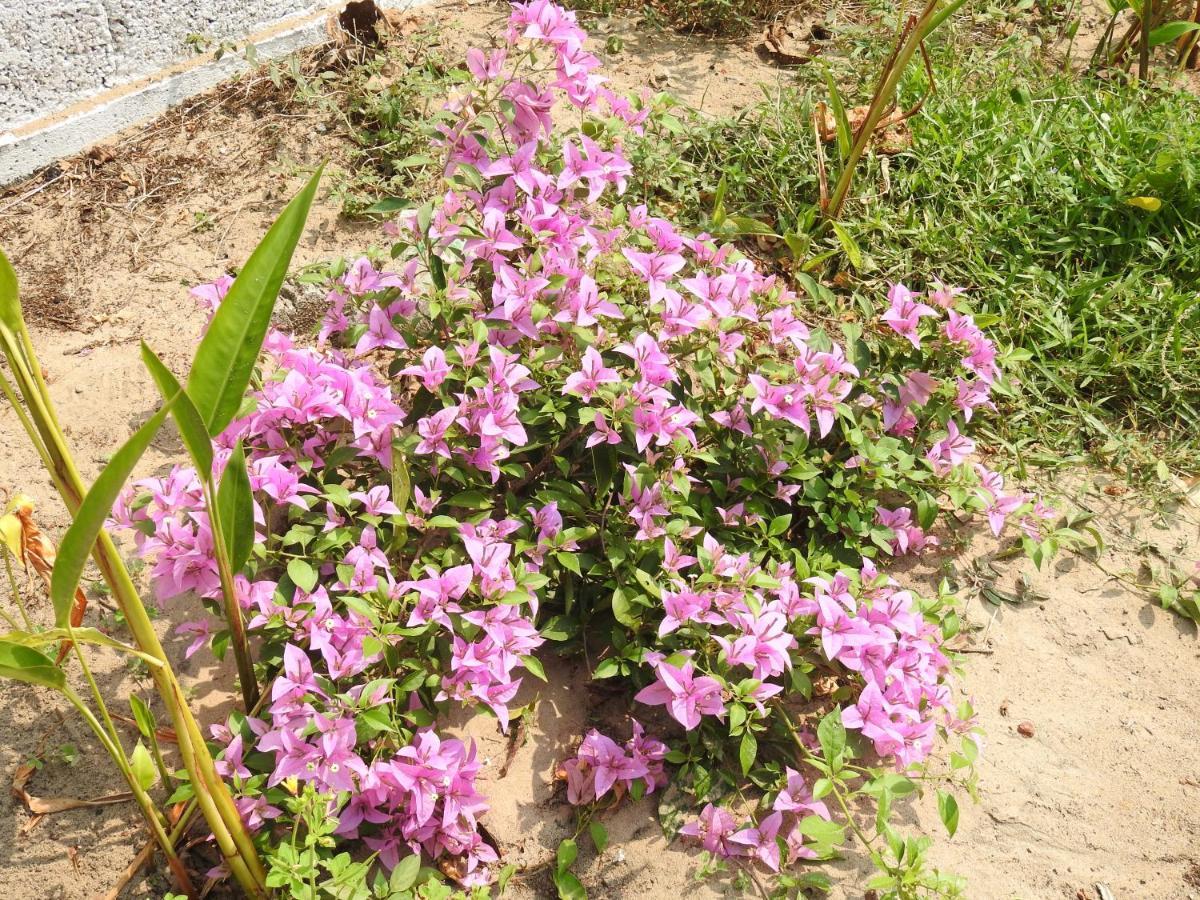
[1107,790]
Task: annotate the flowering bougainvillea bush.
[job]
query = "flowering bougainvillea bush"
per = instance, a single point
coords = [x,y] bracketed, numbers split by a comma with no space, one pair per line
[550,420]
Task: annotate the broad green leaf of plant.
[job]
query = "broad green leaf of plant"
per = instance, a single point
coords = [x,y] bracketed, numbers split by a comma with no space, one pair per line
[142,716]
[142,765]
[191,424]
[404,876]
[849,245]
[77,543]
[1164,34]
[227,355]
[302,574]
[22,663]
[235,509]
[832,735]
[948,810]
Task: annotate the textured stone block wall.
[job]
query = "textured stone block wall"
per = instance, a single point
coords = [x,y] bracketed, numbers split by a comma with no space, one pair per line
[56,52]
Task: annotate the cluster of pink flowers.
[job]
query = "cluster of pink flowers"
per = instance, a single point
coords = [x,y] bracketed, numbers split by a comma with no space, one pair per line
[876,630]
[601,766]
[727,836]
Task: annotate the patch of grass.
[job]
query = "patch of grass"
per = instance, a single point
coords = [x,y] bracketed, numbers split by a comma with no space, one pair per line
[1017,186]
[387,105]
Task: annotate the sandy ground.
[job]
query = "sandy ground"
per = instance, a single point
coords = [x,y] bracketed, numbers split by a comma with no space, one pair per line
[1106,791]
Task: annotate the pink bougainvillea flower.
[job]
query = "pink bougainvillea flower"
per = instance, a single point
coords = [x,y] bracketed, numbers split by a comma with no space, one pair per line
[905,312]
[686,695]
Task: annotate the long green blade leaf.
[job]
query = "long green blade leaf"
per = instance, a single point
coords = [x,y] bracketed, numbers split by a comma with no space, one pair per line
[1172,30]
[235,509]
[28,665]
[845,137]
[225,359]
[10,301]
[191,424]
[77,543]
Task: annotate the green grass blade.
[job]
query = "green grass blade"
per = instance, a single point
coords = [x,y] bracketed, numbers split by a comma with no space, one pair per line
[77,543]
[235,509]
[845,137]
[191,424]
[227,355]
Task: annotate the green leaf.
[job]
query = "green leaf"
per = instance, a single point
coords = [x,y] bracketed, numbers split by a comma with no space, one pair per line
[229,350]
[10,297]
[568,850]
[235,509]
[845,137]
[599,835]
[623,609]
[188,419]
[779,525]
[948,810]
[606,669]
[569,887]
[142,716]
[26,664]
[747,751]
[471,500]
[143,766]
[1164,34]
[533,665]
[404,876]
[853,251]
[832,735]
[568,560]
[77,543]
[825,835]
[401,478]
[302,574]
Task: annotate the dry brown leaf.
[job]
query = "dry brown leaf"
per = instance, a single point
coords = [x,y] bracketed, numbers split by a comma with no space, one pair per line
[892,134]
[38,553]
[45,806]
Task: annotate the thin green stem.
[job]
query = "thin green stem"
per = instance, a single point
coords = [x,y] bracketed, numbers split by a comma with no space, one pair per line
[16,593]
[26,423]
[149,811]
[233,610]
[95,689]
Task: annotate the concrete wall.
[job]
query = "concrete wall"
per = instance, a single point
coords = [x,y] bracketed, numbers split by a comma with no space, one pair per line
[56,52]
[74,72]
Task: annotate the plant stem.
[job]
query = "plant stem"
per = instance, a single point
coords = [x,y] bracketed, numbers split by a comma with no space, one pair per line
[233,611]
[149,811]
[16,592]
[212,795]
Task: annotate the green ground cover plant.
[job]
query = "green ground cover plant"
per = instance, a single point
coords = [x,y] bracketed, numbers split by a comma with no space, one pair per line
[1070,205]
